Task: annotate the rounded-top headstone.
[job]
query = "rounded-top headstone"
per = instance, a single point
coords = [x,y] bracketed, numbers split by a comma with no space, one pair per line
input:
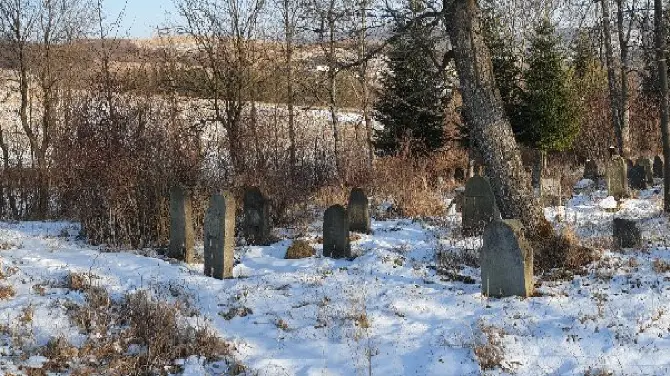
[591,170]
[506,260]
[647,164]
[358,211]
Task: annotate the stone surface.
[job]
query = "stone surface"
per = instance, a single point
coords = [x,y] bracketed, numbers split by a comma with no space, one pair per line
[336,233]
[637,177]
[358,211]
[256,217]
[479,207]
[182,238]
[550,187]
[617,178]
[219,236]
[591,170]
[299,249]
[626,233]
[648,165]
[658,167]
[506,260]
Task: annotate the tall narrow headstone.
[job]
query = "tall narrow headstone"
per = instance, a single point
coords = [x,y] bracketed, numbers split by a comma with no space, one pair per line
[617,177]
[256,222]
[336,233]
[358,211]
[506,260]
[658,167]
[591,170]
[181,225]
[479,207]
[219,237]
[647,164]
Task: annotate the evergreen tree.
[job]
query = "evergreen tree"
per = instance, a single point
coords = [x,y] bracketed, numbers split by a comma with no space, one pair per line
[411,103]
[550,110]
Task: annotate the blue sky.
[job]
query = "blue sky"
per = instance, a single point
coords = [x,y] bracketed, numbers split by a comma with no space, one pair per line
[141,16]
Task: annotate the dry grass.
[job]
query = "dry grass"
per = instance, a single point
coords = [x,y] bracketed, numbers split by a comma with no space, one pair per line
[137,335]
[6,292]
[489,351]
[661,266]
[299,249]
[559,250]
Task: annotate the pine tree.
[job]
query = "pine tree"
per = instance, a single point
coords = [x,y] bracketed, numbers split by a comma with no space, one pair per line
[411,104]
[550,106]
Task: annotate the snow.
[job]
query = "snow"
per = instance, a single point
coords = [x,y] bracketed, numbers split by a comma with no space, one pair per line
[386,310]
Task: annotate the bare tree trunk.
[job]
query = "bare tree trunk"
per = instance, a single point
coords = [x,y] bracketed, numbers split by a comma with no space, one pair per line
[611,76]
[661,54]
[624,107]
[490,128]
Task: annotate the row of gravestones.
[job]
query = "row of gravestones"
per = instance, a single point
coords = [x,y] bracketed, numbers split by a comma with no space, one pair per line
[623,173]
[338,221]
[506,258]
[219,227]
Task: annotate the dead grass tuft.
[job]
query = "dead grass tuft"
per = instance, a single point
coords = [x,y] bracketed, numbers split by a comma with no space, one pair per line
[299,249]
[659,266]
[559,250]
[6,292]
[488,350]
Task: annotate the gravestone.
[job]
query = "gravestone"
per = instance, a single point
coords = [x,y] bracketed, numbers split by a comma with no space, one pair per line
[506,260]
[459,174]
[219,237]
[617,178]
[591,170]
[479,207]
[637,177]
[358,211]
[647,164]
[658,167]
[256,217]
[336,233]
[181,226]
[626,234]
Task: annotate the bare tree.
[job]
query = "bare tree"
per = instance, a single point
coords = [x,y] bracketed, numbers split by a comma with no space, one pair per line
[661,55]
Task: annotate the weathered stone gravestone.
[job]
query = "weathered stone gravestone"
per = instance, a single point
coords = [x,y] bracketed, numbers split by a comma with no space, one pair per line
[506,260]
[479,206]
[459,174]
[336,233]
[637,177]
[658,167]
[181,226]
[256,217]
[617,178]
[358,211]
[219,236]
[625,233]
[647,164]
[591,170]
[550,186]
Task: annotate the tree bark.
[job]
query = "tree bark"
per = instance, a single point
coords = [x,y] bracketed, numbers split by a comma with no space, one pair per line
[663,82]
[611,76]
[624,108]
[490,128]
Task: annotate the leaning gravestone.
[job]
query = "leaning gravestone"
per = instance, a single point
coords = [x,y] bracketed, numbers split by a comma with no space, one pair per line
[181,226]
[617,178]
[358,211]
[637,177]
[626,234]
[506,260]
[219,237]
[648,165]
[336,233]
[256,217]
[591,170]
[479,207]
[658,167]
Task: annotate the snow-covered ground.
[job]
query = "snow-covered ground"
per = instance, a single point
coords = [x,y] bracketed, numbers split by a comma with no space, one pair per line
[387,312]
